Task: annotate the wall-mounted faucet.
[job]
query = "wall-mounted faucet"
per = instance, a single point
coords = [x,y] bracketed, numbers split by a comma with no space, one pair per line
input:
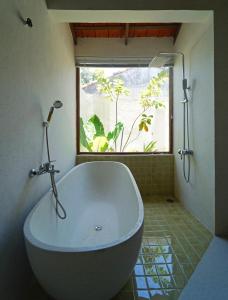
[43,169]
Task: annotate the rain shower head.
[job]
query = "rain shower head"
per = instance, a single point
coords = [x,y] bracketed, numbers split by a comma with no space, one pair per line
[164,59]
[57,104]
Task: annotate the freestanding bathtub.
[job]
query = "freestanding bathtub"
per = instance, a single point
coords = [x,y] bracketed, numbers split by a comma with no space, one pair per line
[91,254]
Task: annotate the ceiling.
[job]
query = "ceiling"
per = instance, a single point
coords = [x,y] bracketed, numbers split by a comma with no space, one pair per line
[124,30]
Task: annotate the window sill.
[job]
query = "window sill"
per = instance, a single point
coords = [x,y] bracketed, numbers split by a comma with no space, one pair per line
[124,154]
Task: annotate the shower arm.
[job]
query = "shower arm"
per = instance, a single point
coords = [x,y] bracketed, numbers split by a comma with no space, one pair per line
[176,54]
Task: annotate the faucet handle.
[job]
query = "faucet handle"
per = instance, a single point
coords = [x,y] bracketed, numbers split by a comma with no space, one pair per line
[48,164]
[53,171]
[180,152]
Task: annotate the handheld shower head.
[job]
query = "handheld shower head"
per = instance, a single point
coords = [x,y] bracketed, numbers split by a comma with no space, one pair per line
[57,104]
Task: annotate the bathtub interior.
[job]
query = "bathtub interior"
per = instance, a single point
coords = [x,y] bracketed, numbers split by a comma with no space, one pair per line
[98,195]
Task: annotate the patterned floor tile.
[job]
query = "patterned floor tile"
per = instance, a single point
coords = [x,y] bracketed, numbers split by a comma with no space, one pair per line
[173,244]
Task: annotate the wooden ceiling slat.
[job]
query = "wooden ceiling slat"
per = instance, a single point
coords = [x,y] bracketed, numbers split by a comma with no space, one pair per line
[126,34]
[152,27]
[122,30]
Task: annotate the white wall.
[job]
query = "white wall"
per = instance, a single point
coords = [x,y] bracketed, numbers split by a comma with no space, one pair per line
[196,41]
[115,48]
[36,67]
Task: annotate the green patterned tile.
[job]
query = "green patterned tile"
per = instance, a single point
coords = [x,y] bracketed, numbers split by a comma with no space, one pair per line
[173,243]
[188,269]
[167,282]
[140,282]
[150,269]
[175,269]
[162,269]
[142,294]
[171,294]
[157,294]
[153,282]
[179,280]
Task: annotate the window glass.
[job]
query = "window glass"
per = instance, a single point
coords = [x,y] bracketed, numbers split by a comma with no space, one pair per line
[124,109]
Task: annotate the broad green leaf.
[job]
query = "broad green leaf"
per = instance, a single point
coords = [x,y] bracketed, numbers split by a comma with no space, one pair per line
[83,138]
[113,135]
[100,144]
[99,127]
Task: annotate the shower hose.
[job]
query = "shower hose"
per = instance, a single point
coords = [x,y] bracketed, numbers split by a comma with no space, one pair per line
[58,204]
[186,158]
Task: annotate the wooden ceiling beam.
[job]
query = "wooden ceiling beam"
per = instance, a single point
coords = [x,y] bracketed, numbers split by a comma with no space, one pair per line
[126,33]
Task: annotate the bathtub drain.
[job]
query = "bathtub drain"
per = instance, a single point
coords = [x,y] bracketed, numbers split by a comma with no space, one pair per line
[98,227]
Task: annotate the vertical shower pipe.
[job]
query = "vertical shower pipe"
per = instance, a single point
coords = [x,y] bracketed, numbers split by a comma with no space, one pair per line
[185,151]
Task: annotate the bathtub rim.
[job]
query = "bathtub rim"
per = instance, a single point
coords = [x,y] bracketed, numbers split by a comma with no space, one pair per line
[44,246]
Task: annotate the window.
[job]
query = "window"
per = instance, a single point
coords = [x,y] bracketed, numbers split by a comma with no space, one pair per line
[124,110]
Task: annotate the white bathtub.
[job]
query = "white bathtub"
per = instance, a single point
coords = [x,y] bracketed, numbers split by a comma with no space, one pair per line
[70,258]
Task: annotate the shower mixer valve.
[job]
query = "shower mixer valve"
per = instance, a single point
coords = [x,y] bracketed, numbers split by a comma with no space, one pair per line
[183,152]
[43,169]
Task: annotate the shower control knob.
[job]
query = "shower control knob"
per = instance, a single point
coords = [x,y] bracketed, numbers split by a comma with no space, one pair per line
[33,172]
[183,152]
[180,152]
[189,152]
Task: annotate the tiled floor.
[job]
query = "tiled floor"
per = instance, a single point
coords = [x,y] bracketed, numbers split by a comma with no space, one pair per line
[173,244]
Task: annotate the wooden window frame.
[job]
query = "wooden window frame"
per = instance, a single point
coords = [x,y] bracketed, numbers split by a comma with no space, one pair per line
[78,152]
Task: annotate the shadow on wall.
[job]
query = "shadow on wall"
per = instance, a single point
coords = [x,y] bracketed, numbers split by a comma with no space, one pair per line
[20,17]
[14,263]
